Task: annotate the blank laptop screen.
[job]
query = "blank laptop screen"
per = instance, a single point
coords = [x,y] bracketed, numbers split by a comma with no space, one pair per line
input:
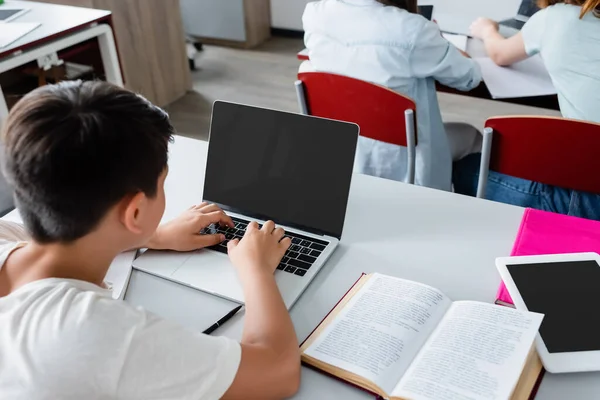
[528,8]
[293,169]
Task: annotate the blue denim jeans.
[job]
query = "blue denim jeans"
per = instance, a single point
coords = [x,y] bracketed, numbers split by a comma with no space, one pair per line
[524,193]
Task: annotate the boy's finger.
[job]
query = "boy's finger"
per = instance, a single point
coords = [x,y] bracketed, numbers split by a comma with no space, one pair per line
[279,233]
[286,242]
[252,226]
[233,243]
[198,206]
[218,217]
[209,208]
[269,227]
[209,240]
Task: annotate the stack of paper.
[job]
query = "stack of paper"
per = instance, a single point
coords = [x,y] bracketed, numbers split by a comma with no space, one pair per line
[524,79]
[459,41]
[11,31]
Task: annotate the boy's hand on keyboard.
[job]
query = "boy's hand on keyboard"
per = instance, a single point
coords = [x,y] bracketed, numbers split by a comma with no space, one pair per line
[260,250]
[182,233]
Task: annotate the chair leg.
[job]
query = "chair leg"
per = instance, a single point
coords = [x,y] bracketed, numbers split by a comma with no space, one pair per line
[484,167]
[301,97]
[409,119]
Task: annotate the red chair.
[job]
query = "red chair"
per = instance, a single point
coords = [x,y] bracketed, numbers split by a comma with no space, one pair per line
[381,113]
[554,151]
[303,55]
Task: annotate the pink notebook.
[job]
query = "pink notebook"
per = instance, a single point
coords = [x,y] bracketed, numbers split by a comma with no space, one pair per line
[544,232]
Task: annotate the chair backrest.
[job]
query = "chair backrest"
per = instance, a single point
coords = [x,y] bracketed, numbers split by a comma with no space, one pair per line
[554,151]
[378,111]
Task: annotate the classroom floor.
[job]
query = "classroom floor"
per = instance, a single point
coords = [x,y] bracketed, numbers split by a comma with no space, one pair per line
[265,77]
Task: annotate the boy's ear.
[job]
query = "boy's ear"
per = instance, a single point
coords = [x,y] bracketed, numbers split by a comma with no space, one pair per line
[132,211]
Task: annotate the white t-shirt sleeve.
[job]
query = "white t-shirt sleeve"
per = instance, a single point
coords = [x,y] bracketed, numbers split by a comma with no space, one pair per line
[533,32]
[166,361]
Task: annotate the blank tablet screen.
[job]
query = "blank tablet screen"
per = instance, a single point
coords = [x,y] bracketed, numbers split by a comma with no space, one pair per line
[568,294]
[5,14]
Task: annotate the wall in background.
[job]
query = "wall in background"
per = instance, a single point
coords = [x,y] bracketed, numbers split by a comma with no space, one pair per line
[214,18]
[287,14]
[245,23]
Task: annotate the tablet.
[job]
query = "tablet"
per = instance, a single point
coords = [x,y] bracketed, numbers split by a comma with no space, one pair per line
[8,14]
[566,289]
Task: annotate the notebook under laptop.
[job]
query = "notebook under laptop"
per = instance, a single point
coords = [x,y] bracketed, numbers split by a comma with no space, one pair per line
[265,164]
[527,9]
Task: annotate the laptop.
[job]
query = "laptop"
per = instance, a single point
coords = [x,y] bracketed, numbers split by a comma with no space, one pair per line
[426,11]
[526,10]
[269,165]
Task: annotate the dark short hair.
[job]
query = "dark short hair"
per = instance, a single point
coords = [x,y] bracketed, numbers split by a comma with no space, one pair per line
[408,5]
[74,150]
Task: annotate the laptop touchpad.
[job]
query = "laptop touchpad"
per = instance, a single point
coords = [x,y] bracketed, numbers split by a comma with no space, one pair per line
[212,272]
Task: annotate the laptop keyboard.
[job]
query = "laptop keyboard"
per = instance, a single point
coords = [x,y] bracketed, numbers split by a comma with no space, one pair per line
[301,255]
[513,23]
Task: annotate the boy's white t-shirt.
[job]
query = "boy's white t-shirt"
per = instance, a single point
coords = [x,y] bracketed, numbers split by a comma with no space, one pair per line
[68,339]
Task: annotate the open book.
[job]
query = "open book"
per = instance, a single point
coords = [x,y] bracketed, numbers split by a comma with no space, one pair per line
[405,340]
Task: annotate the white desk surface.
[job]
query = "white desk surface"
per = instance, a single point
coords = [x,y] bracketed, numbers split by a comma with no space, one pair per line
[438,238]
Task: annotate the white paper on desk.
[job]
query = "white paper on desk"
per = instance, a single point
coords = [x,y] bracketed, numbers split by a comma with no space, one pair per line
[523,79]
[11,31]
[459,41]
[119,272]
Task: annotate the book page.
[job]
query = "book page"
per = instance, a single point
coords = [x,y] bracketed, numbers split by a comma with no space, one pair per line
[381,329]
[476,353]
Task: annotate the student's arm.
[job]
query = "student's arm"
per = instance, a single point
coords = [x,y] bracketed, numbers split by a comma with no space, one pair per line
[270,364]
[161,359]
[526,43]
[433,56]
[183,233]
[501,50]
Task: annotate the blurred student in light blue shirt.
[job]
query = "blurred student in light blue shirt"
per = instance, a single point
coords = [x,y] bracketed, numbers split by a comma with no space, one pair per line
[386,42]
[566,33]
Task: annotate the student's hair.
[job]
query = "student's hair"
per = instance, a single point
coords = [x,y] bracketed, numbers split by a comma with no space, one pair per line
[408,5]
[592,6]
[74,150]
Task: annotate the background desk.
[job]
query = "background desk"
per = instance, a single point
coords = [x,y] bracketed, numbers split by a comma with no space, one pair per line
[438,238]
[151,42]
[62,27]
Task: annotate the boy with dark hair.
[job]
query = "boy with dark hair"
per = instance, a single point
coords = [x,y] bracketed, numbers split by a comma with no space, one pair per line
[88,161]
